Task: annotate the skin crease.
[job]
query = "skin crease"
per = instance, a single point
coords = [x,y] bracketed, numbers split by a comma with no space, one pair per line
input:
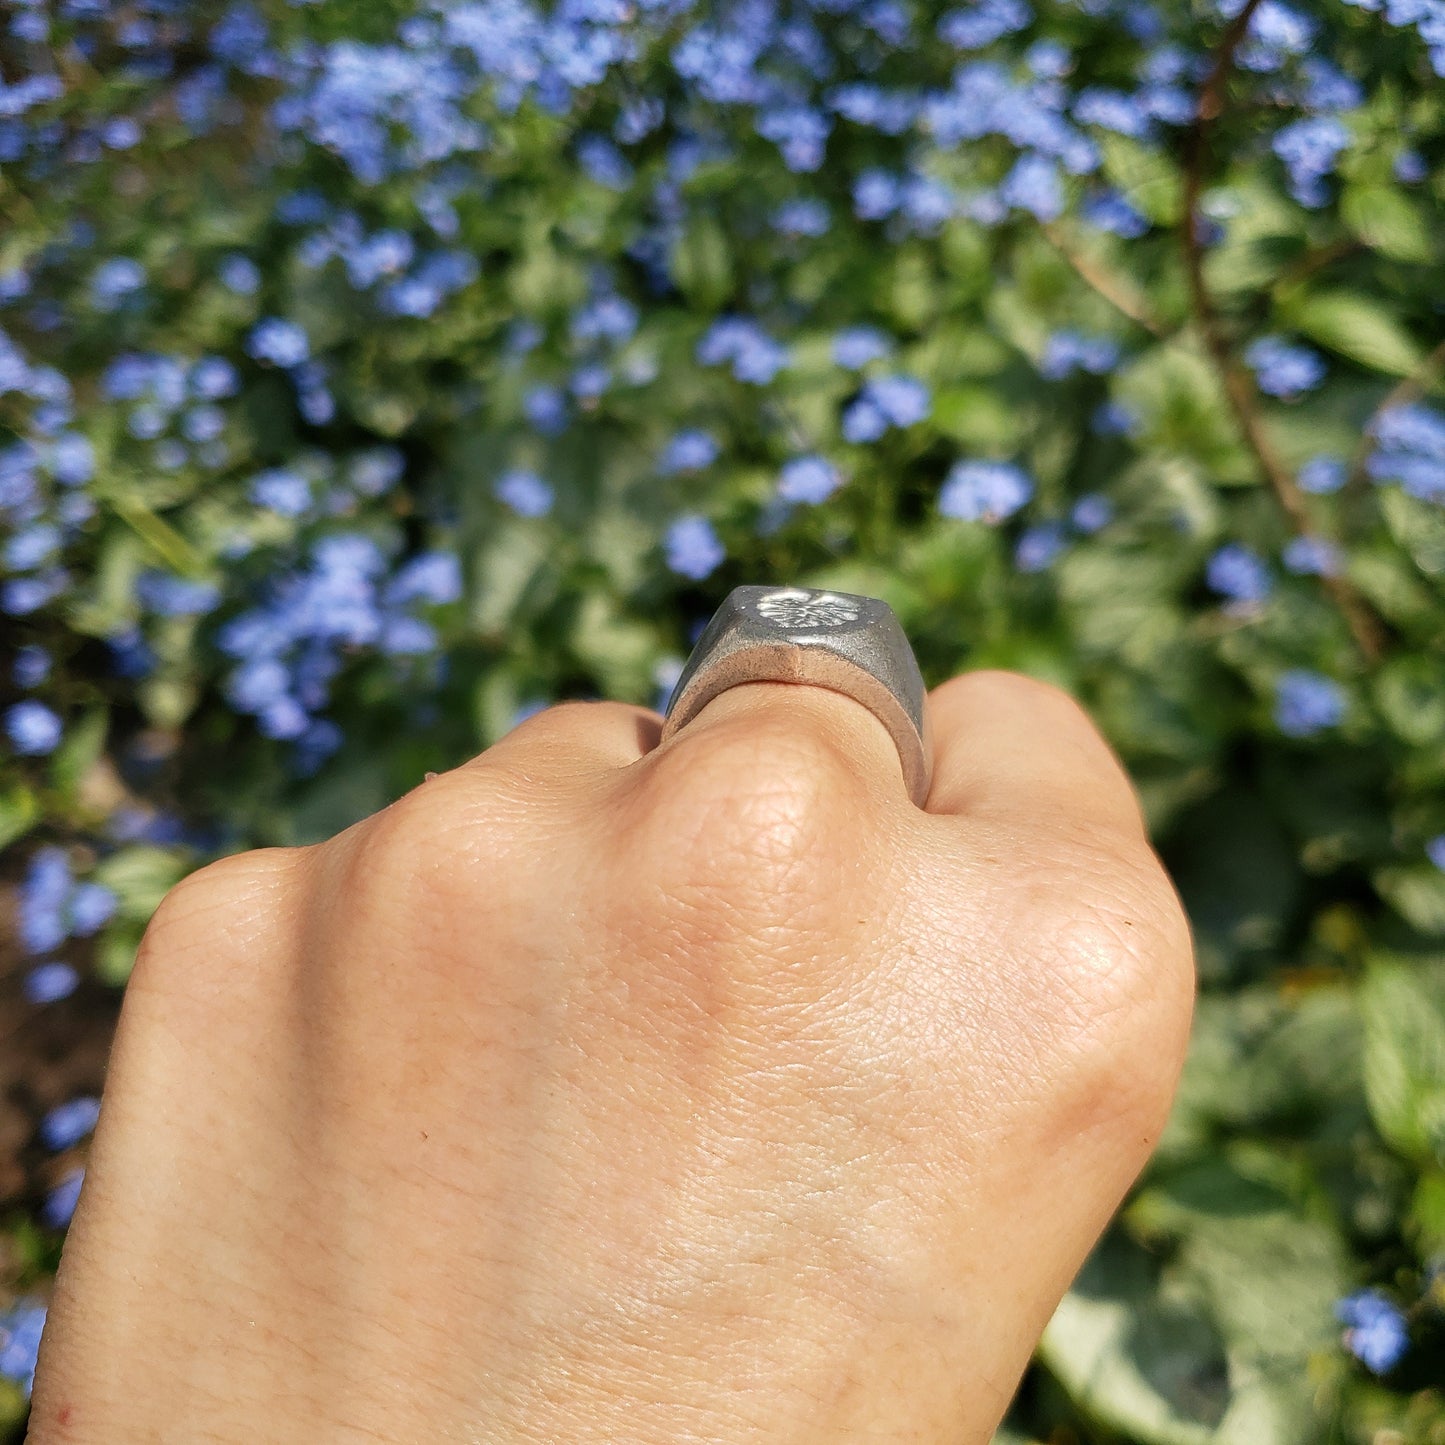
[601,1091]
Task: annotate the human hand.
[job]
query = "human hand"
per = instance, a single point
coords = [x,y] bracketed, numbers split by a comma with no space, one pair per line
[602,1091]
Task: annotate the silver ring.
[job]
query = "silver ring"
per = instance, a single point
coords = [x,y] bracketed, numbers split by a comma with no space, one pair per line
[849,644]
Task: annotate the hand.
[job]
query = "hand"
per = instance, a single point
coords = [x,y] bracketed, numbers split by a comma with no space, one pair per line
[602,1091]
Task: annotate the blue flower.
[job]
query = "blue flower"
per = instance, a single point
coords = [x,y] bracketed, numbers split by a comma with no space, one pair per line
[1275,32]
[114,280]
[1284,370]
[59,1206]
[1109,211]
[1328,88]
[546,408]
[1322,475]
[1313,557]
[375,472]
[1307,702]
[406,636]
[21,596]
[171,596]
[1411,168]
[1410,450]
[1435,851]
[1309,149]
[1067,351]
[525,493]
[33,729]
[1239,574]
[241,275]
[89,908]
[281,491]
[590,381]
[1033,185]
[890,111]
[31,548]
[71,459]
[432,577]
[67,1124]
[802,216]
[876,194]
[1113,110]
[1039,546]
[756,358]
[855,346]
[810,479]
[20,1330]
[984,491]
[607,318]
[799,132]
[281,342]
[1048,59]
[692,548]
[1376,1333]
[897,400]
[983,23]
[688,451]
[604,163]
[863,422]
[32,666]
[50,982]
[1092,513]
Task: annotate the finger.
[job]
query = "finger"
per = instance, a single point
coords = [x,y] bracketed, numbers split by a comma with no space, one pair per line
[572,739]
[831,722]
[1011,747]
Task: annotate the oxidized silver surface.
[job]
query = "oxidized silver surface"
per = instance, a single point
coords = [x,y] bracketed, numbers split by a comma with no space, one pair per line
[849,644]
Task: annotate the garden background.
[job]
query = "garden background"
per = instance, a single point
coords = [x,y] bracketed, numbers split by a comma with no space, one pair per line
[372,374]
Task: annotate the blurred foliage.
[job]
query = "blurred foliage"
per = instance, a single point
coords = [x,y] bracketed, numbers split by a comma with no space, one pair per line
[530,311]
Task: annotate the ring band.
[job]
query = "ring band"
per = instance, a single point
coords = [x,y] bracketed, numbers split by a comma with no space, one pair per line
[838,640]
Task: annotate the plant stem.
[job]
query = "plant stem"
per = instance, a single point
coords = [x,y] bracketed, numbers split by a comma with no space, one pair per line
[1119,295]
[1238,384]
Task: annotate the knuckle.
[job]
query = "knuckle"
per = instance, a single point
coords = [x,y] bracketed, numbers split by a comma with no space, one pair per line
[223,907]
[742,839]
[1121,980]
[762,793]
[432,841]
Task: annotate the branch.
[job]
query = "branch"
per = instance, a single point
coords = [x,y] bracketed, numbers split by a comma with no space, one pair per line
[1121,297]
[1238,384]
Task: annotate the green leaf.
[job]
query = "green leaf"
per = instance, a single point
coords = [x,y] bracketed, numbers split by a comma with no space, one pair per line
[1416,891]
[1357,327]
[701,264]
[18,812]
[1151,1368]
[1146,175]
[619,650]
[1410,692]
[140,876]
[1418,526]
[1386,220]
[1426,1220]
[1239,877]
[115,954]
[77,754]
[1405,1059]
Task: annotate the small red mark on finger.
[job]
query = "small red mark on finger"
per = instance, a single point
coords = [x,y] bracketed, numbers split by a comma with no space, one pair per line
[64,1414]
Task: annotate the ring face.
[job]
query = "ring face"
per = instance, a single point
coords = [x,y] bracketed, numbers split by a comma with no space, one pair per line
[838,640]
[801,608]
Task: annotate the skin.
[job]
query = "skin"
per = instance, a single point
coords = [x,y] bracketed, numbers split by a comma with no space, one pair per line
[606,1091]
